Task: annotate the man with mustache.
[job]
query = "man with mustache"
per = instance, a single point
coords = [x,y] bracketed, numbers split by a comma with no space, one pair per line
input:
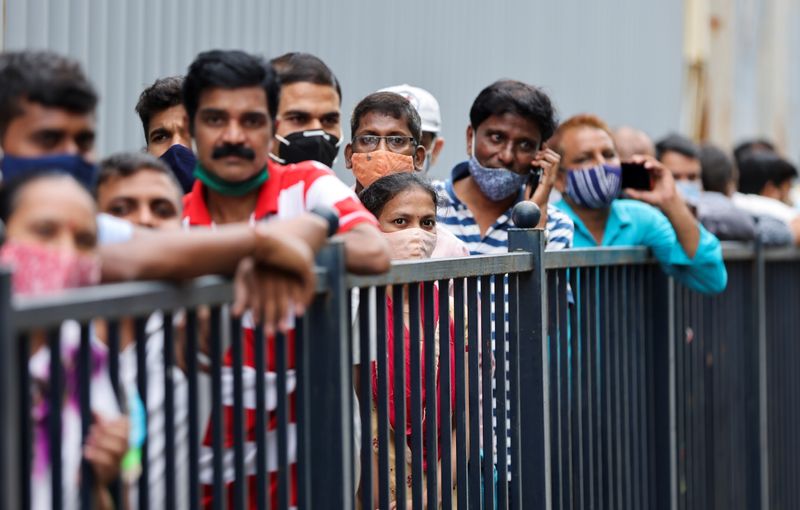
[231,100]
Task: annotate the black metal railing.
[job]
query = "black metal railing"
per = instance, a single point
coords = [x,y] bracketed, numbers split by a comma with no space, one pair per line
[579,379]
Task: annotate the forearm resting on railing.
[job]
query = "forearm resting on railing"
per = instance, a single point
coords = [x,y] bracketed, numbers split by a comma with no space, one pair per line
[285,245]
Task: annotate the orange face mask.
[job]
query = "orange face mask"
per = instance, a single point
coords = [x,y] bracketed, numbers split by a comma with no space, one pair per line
[368,167]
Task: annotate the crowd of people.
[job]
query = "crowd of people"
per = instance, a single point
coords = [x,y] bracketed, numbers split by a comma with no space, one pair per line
[235,179]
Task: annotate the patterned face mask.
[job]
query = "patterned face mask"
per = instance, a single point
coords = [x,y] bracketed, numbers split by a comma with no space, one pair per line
[40,270]
[595,187]
[368,167]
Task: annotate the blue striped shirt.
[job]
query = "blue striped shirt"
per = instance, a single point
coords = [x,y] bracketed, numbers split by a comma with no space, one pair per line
[458,219]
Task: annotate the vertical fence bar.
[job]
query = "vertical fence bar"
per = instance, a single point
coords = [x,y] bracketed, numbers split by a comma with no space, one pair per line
[113,343]
[399,355]
[488,409]
[576,393]
[282,415]
[190,355]
[474,395]
[534,379]
[169,412]
[384,495]
[237,366]
[85,396]
[415,355]
[330,364]
[501,378]
[461,393]
[430,406]
[25,438]
[515,488]
[565,389]
[140,334]
[365,399]
[261,422]
[54,422]
[763,408]
[553,308]
[445,393]
[217,423]
[13,481]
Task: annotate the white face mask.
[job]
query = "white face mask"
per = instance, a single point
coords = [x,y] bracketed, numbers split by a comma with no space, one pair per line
[411,243]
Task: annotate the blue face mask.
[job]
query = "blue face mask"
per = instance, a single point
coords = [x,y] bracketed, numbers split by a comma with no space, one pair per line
[72,164]
[182,162]
[595,187]
[496,183]
[689,191]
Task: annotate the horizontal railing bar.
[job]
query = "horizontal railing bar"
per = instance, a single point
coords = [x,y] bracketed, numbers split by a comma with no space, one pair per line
[593,257]
[781,254]
[117,300]
[412,271]
[733,251]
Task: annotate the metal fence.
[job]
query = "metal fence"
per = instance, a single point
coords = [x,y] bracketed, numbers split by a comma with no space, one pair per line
[621,388]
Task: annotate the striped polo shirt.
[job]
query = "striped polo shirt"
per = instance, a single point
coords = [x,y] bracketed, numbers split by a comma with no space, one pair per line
[456,217]
[288,192]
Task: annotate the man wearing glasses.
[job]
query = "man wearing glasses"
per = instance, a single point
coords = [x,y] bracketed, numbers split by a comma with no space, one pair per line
[386,132]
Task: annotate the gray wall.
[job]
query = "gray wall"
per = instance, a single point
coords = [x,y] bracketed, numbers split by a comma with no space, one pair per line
[619,58]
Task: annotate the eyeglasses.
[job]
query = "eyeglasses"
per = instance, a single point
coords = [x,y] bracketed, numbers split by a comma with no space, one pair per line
[395,143]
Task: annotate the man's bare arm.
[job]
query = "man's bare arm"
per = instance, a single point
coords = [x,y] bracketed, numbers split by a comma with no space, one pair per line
[366,250]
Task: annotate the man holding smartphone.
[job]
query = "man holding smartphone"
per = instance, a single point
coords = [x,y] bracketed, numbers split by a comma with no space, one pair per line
[508,163]
[590,180]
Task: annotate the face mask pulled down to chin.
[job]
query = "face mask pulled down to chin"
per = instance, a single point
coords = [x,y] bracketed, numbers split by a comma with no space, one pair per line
[411,243]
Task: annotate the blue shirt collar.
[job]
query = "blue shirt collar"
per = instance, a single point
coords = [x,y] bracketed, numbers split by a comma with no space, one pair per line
[618,219]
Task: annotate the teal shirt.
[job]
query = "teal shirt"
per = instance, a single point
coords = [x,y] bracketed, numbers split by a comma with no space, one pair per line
[634,223]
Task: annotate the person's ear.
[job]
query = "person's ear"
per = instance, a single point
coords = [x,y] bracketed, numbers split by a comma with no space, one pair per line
[348,156]
[419,157]
[469,140]
[438,145]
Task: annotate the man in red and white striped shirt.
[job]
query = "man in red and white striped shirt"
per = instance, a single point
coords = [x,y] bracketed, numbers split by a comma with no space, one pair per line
[231,101]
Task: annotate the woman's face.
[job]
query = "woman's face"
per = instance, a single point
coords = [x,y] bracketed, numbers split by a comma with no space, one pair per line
[412,208]
[54,212]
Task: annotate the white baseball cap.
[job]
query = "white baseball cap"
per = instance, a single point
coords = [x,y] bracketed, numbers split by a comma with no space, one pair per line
[427,106]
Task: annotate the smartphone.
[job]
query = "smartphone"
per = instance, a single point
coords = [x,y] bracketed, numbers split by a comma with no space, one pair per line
[636,176]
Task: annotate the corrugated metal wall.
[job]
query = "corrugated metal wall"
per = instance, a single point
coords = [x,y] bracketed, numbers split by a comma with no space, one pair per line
[618,58]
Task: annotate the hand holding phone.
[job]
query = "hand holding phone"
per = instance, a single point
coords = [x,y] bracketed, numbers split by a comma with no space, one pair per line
[636,176]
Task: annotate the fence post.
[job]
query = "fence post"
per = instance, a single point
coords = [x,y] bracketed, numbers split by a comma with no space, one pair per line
[329,424]
[532,410]
[10,447]
[763,408]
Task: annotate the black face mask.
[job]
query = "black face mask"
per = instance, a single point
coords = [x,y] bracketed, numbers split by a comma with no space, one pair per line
[314,145]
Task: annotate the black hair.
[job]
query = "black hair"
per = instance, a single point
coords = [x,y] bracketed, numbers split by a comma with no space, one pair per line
[755,145]
[718,170]
[45,78]
[162,94]
[677,143]
[379,193]
[125,164]
[758,168]
[228,69]
[390,104]
[298,67]
[511,96]
[12,188]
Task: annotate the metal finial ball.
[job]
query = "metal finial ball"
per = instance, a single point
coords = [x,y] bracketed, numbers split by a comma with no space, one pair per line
[526,215]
